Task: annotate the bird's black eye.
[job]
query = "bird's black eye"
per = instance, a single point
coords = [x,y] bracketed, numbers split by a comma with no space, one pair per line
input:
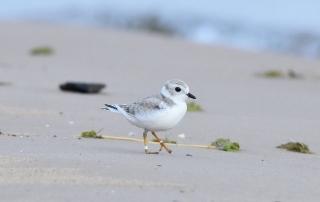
[178,89]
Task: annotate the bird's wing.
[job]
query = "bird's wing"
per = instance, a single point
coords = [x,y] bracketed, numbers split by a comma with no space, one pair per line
[145,105]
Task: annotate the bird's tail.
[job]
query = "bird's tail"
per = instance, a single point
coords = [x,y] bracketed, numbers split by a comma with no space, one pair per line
[111,108]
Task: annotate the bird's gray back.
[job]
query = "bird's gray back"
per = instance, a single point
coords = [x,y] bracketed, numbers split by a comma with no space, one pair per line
[147,104]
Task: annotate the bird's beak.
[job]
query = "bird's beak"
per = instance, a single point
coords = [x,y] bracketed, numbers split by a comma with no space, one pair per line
[191,96]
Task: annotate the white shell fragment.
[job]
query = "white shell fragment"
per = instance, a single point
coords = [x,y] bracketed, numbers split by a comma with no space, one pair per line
[132,134]
[182,135]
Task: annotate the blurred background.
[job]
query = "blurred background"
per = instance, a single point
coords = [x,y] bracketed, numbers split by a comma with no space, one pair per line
[281,26]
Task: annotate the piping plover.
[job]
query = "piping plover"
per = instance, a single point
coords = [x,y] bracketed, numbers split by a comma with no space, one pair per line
[157,112]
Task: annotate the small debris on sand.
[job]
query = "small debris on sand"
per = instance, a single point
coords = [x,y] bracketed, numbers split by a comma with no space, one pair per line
[182,136]
[132,134]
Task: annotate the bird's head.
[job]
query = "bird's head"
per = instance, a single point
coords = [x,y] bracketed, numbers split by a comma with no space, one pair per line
[176,90]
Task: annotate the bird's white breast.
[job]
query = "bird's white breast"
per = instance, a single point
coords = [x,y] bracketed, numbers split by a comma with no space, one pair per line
[161,120]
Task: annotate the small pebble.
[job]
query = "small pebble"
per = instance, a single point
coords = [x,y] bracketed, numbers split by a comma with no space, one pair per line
[21,151]
[47,126]
[71,122]
[54,136]
[159,165]
[188,155]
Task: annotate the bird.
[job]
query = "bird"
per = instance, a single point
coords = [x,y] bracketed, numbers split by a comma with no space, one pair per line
[157,112]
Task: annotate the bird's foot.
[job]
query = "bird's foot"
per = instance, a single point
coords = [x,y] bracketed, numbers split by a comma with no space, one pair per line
[148,152]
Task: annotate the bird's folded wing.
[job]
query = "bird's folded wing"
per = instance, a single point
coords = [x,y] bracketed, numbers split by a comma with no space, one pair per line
[151,103]
[144,106]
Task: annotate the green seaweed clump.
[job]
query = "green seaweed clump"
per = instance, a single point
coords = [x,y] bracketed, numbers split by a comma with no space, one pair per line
[226,145]
[165,140]
[296,147]
[273,74]
[90,134]
[193,107]
[41,51]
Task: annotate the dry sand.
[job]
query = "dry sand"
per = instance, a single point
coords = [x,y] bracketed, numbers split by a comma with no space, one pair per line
[259,113]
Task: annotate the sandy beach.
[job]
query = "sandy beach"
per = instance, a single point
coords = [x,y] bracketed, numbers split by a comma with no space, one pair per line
[41,159]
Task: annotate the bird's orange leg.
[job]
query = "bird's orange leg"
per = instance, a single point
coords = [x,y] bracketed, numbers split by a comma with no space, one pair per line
[162,144]
[145,143]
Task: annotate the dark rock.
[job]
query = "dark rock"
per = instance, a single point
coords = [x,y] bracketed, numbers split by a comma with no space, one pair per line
[82,87]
